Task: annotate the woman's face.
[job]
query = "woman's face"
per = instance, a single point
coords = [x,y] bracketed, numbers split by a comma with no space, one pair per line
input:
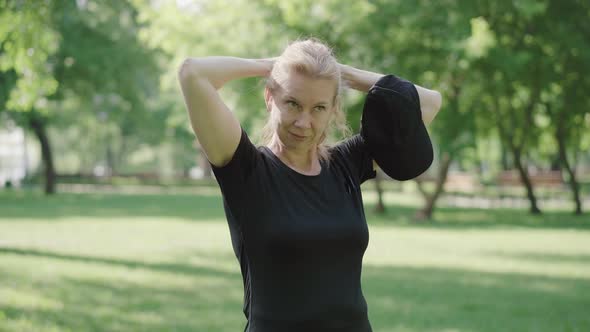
[303,108]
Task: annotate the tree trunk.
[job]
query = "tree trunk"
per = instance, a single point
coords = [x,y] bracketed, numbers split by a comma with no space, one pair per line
[120,155]
[443,170]
[380,207]
[524,177]
[504,156]
[516,148]
[110,158]
[570,171]
[555,164]
[46,155]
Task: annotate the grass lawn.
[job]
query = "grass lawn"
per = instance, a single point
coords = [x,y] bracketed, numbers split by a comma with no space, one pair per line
[107,262]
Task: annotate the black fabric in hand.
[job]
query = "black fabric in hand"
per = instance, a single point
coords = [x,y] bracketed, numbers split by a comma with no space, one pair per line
[393,129]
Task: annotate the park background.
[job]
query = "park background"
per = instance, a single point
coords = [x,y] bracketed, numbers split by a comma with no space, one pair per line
[110,219]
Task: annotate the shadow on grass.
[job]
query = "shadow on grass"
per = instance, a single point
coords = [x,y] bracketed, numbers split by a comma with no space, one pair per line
[87,303]
[96,305]
[399,299]
[427,299]
[38,206]
[131,264]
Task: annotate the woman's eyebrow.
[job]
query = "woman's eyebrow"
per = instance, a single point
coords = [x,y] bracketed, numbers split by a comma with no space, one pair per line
[295,99]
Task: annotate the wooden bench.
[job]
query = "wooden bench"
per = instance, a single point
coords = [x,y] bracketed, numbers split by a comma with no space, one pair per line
[461,181]
[544,178]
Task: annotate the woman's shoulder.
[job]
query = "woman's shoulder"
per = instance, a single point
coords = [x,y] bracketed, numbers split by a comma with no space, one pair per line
[347,145]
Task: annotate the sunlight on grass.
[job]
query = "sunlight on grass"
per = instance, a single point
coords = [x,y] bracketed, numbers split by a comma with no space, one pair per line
[143,237]
[27,300]
[481,250]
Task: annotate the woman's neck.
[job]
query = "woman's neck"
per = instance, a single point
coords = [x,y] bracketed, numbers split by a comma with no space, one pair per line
[302,161]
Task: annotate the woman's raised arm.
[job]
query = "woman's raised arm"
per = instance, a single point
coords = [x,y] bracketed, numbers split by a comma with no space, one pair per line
[413,152]
[215,126]
[362,80]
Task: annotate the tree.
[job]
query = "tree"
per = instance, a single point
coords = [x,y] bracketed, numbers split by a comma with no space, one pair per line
[28,41]
[169,29]
[566,48]
[69,51]
[520,80]
[433,51]
[528,68]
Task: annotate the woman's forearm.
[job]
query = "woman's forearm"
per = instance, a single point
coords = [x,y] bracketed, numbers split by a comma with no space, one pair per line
[362,80]
[359,79]
[219,70]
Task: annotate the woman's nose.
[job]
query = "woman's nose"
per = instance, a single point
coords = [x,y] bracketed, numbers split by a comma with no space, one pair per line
[303,120]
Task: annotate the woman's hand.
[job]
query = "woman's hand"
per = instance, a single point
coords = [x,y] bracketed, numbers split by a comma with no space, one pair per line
[268,63]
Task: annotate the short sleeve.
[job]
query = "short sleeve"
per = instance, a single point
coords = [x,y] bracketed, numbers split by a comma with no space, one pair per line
[233,177]
[356,156]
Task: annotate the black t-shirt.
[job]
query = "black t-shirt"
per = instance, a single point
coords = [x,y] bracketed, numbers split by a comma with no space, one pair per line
[299,239]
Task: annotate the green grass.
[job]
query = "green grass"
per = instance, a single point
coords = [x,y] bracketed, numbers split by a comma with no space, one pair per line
[107,262]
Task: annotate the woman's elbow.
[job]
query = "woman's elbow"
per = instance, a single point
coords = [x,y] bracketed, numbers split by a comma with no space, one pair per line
[432,107]
[437,101]
[187,70]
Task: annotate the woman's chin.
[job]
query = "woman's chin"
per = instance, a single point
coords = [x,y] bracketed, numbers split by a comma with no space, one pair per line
[293,142]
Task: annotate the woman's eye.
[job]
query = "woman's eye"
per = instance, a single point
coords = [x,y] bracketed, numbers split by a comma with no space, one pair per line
[320,108]
[292,104]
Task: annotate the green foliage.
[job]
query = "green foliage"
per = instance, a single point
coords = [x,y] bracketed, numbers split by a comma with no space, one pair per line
[481,40]
[73,62]
[27,40]
[516,65]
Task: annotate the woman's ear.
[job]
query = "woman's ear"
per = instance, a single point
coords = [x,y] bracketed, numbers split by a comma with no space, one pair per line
[268,99]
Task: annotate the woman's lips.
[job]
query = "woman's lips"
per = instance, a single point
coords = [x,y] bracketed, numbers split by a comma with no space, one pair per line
[298,137]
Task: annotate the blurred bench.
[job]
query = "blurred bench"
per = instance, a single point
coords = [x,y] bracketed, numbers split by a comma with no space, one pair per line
[544,178]
[461,181]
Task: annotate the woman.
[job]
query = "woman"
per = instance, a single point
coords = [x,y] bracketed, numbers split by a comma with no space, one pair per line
[294,204]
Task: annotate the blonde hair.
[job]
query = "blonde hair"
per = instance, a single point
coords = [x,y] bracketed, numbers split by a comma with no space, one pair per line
[313,58]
